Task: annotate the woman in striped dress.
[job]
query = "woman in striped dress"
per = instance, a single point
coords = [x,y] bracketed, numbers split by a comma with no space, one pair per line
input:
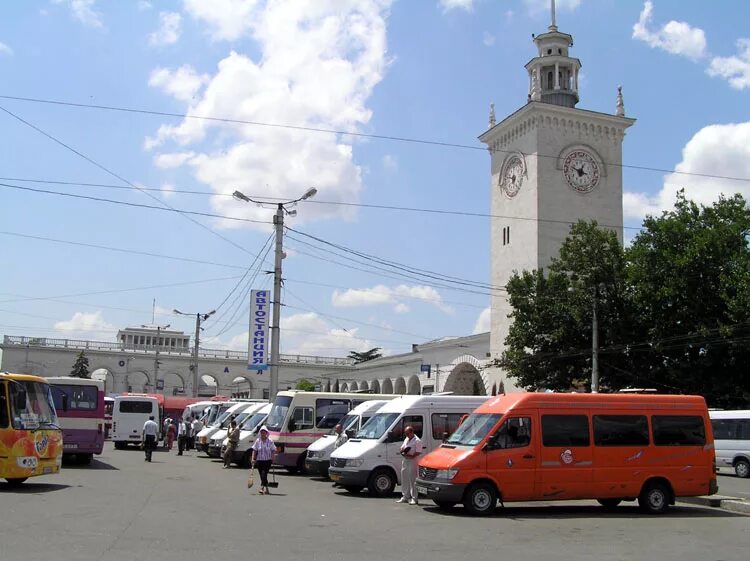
[264,452]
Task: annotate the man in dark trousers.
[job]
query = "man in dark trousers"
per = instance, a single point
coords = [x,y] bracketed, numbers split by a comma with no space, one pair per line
[150,435]
[182,436]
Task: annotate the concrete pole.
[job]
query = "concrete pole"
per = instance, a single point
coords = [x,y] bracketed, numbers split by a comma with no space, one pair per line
[195,353]
[278,221]
[595,347]
[156,360]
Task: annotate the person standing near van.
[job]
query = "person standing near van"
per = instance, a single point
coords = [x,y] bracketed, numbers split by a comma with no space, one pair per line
[182,436]
[150,436]
[341,439]
[171,433]
[196,427]
[410,451]
[233,435]
[264,451]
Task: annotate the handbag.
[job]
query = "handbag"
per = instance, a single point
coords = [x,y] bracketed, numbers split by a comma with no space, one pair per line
[273,483]
[250,481]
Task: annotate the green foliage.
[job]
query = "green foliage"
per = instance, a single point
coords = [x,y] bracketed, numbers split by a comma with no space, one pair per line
[305,385]
[673,309]
[81,366]
[365,356]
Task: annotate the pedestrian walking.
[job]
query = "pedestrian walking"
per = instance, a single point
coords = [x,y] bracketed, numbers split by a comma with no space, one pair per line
[341,438]
[181,436]
[171,433]
[233,436]
[165,431]
[150,435]
[264,452]
[410,450]
[188,434]
[197,427]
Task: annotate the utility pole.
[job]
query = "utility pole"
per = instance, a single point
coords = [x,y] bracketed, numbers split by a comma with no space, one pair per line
[194,367]
[278,221]
[437,377]
[595,346]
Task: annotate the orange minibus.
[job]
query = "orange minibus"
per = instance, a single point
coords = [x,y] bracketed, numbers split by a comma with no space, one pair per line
[548,446]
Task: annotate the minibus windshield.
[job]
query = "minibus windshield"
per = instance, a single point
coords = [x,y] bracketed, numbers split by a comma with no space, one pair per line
[474,429]
[278,412]
[253,421]
[376,427]
[31,406]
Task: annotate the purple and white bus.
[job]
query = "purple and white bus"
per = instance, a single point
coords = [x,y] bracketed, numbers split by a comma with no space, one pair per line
[80,406]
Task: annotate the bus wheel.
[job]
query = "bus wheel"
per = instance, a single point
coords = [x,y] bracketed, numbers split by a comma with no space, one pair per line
[654,498]
[84,459]
[742,468]
[609,503]
[16,481]
[381,483]
[443,505]
[480,499]
[120,445]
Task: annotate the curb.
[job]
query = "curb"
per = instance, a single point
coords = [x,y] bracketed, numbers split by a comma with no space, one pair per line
[734,504]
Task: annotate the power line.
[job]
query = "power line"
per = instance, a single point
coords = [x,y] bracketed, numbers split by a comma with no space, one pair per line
[347,133]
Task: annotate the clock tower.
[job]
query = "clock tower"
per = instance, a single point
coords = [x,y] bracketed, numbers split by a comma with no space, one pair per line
[552,164]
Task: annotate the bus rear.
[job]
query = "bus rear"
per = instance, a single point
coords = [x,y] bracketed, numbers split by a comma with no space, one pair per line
[80,406]
[30,438]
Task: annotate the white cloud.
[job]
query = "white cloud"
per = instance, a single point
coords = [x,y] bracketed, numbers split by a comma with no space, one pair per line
[676,37]
[182,84]
[169,29]
[390,163]
[85,325]
[448,5]
[5,49]
[381,294]
[483,324]
[144,5]
[401,308]
[83,11]
[720,150]
[173,160]
[317,65]
[488,39]
[734,69]
[308,334]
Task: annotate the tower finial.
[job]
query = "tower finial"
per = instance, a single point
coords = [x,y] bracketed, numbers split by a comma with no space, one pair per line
[492,115]
[553,21]
[620,106]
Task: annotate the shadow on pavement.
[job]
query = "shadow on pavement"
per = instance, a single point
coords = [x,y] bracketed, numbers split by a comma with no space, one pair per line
[30,488]
[565,512]
[95,464]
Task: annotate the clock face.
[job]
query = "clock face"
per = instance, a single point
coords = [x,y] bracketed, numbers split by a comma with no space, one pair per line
[581,171]
[512,177]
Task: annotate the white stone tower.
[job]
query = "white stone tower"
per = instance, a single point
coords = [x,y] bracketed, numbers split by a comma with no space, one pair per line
[551,165]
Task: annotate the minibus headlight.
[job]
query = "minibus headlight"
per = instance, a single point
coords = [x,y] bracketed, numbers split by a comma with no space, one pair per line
[310,453]
[354,462]
[446,474]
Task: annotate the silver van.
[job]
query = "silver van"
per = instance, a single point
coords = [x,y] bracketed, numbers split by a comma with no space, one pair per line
[732,440]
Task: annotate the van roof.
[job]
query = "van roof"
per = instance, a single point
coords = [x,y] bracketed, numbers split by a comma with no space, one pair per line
[510,401]
[741,414]
[135,398]
[410,401]
[365,406]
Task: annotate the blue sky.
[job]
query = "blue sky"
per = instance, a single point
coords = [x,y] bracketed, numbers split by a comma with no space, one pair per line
[418,69]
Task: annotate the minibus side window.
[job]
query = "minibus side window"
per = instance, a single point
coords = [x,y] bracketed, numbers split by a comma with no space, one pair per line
[330,408]
[4,419]
[513,433]
[678,430]
[414,421]
[620,430]
[731,429]
[302,418]
[565,430]
[445,423]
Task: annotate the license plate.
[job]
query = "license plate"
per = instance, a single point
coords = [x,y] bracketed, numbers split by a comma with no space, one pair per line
[48,469]
[70,446]
[335,477]
[421,490]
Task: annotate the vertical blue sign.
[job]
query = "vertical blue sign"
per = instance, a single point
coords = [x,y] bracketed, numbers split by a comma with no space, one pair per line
[258,340]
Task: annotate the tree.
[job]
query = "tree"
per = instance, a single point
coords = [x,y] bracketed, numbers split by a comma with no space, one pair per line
[305,385]
[549,341]
[689,270]
[81,366]
[365,356]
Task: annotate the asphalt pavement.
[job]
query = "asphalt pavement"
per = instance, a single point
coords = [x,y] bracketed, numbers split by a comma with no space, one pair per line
[189,509]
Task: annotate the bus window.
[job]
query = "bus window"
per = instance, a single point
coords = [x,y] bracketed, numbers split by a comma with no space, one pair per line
[678,430]
[4,419]
[565,430]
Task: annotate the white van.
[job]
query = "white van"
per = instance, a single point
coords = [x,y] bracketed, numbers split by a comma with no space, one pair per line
[319,452]
[732,440]
[218,438]
[196,409]
[371,459]
[129,414]
[248,433]
[225,412]
[299,418]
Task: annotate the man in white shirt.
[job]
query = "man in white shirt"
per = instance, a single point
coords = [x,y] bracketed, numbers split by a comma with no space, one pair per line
[341,438]
[150,436]
[411,449]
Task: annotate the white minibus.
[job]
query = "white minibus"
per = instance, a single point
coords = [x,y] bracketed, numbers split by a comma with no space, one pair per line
[295,420]
[319,452]
[371,459]
[222,421]
[732,440]
[129,414]
[248,434]
[197,409]
[217,439]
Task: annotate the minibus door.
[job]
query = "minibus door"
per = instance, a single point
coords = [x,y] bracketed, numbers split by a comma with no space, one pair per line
[511,455]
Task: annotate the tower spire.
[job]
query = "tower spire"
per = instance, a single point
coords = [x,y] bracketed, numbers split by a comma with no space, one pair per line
[553,21]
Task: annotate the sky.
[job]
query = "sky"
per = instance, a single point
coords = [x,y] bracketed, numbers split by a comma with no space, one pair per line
[331,94]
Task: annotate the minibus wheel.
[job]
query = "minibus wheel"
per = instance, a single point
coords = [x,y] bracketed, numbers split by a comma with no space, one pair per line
[16,481]
[609,503]
[654,498]
[480,499]
[353,489]
[742,468]
[381,483]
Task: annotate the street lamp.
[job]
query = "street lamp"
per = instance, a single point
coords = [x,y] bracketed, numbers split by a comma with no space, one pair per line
[156,359]
[278,221]
[198,319]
